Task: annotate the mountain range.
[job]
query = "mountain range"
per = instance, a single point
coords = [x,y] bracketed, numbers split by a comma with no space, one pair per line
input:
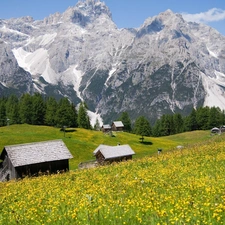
[167,65]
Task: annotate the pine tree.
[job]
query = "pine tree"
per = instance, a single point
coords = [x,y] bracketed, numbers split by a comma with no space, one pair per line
[165,125]
[83,119]
[74,121]
[64,113]
[50,114]
[142,127]
[38,109]
[12,110]
[3,118]
[191,121]
[178,123]
[214,117]
[156,131]
[26,109]
[202,118]
[126,121]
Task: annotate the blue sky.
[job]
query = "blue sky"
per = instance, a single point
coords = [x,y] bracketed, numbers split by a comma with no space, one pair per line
[125,13]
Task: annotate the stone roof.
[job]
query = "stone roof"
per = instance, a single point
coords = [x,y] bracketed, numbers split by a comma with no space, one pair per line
[37,152]
[100,147]
[118,124]
[110,152]
[106,126]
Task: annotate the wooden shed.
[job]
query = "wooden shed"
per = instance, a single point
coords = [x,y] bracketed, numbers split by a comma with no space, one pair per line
[117,126]
[106,128]
[32,158]
[110,154]
[222,128]
[216,130]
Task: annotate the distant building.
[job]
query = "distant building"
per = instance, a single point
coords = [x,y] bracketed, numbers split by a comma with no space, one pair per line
[106,128]
[117,126]
[215,130]
[105,153]
[222,128]
[30,159]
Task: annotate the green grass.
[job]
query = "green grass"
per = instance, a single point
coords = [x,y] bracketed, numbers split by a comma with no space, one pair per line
[176,187]
[82,143]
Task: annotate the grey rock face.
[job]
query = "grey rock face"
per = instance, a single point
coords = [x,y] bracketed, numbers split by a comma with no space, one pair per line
[167,65]
[11,75]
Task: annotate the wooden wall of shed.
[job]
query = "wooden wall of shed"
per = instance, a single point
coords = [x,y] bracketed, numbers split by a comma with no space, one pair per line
[99,157]
[104,130]
[10,167]
[101,160]
[114,128]
[46,167]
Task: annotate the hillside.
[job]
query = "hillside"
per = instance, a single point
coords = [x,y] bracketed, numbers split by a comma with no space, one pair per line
[179,187]
[83,142]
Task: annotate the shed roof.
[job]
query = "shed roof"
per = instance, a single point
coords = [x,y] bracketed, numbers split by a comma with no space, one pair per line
[215,129]
[39,152]
[110,152]
[118,123]
[106,126]
[100,147]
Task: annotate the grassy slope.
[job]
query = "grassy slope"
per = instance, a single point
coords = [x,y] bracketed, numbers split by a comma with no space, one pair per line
[177,187]
[82,142]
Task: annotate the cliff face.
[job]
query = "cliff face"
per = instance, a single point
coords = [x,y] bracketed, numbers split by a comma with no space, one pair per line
[167,65]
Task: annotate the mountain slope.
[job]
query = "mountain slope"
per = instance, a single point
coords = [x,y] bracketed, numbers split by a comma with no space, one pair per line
[167,65]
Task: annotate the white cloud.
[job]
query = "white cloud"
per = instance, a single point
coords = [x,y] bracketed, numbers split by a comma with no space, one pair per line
[211,15]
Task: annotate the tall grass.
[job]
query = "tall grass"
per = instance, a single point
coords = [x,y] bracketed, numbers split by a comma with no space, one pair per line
[177,187]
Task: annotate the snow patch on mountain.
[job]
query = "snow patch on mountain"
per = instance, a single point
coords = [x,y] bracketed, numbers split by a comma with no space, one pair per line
[46,39]
[94,117]
[21,55]
[111,72]
[214,93]
[49,74]
[212,53]
[36,63]
[73,76]
[5,29]
[3,84]
[220,78]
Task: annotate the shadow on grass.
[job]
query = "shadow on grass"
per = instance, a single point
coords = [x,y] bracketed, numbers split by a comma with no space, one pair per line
[68,131]
[146,142]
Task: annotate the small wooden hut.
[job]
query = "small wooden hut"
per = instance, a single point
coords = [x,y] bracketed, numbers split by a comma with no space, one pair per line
[32,158]
[215,130]
[222,129]
[111,154]
[117,126]
[106,128]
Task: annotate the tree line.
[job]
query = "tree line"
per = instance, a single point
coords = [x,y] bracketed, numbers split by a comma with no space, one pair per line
[38,110]
[202,118]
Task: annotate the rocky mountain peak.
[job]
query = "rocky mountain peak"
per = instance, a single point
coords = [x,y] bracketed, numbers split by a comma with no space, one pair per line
[85,12]
[166,23]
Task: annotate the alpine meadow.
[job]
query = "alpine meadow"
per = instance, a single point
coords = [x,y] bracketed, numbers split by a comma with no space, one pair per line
[101,125]
[178,186]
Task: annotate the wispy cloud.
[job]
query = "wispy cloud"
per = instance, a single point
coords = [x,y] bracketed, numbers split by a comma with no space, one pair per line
[211,15]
